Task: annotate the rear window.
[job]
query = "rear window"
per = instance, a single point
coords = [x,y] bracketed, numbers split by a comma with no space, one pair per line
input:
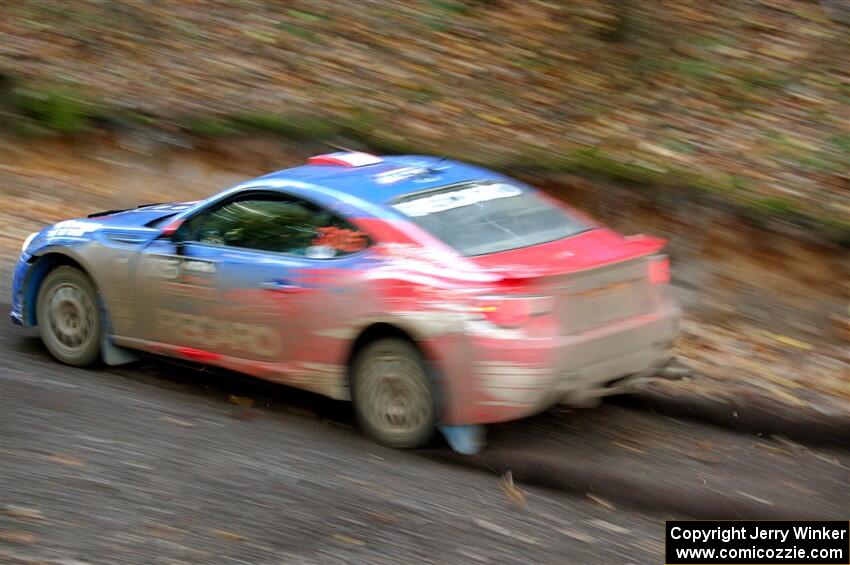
[488,217]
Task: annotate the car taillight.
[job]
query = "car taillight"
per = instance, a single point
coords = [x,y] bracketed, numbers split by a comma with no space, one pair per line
[659,269]
[512,311]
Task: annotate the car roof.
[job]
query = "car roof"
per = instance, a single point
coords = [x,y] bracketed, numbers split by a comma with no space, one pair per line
[390,178]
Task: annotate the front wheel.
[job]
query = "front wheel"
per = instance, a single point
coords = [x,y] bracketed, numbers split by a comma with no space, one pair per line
[69,317]
[392,394]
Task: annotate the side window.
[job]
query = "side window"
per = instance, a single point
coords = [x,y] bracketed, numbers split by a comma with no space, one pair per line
[276,223]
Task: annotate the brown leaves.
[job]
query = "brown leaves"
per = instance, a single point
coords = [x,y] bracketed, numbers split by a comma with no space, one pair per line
[243,401]
[162,530]
[64,459]
[382,517]
[348,539]
[17,536]
[790,341]
[23,513]
[512,491]
[600,501]
[178,422]
[227,535]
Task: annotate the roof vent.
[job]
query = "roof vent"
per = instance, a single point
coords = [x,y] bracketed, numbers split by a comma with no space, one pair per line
[345,159]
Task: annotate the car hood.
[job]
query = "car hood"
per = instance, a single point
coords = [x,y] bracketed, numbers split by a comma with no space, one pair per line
[143,216]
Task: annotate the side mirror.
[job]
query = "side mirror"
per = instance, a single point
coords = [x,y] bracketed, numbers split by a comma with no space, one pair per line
[171,231]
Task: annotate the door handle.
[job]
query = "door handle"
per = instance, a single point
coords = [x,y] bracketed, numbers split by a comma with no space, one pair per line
[281,286]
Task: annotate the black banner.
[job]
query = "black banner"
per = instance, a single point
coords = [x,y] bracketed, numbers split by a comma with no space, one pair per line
[746,542]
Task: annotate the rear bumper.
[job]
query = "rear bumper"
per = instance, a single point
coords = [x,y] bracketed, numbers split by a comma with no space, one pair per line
[507,379]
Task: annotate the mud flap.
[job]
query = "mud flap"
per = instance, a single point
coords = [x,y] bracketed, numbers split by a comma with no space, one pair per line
[110,353]
[115,355]
[466,440]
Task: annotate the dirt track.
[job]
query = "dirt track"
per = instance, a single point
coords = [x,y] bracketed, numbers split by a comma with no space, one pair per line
[156,463]
[159,463]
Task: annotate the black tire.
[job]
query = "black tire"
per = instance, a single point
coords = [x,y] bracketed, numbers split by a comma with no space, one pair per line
[69,316]
[393,397]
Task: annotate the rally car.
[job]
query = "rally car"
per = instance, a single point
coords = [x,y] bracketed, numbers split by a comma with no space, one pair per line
[427,291]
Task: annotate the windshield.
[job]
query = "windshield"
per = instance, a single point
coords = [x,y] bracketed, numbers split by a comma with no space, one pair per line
[488,217]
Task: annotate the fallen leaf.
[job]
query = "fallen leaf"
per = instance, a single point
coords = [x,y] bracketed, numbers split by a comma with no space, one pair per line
[224,534]
[628,447]
[178,421]
[600,501]
[244,401]
[347,539]
[16,536]
[754,497]
[162,529]
[22,512]
[704,444]
[66,460]
[790,341]
[512,491]
[382,517]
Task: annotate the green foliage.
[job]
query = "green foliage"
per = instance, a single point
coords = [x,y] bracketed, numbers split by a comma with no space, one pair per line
[306,17]
[450,7]
[842,142]
[697,69]
[778,206]
[212,127]
[50,110]
[296,30]
[594,161]
[298,128]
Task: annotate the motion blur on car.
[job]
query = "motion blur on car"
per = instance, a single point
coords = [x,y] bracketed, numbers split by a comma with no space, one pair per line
[425,290]
[424,281]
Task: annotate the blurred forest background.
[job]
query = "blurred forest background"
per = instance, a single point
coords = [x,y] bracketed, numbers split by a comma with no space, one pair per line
[723,126]
[745,99]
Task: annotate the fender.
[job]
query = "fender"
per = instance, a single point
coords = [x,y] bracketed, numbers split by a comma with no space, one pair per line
[38,269]
[110,353]
[445,361]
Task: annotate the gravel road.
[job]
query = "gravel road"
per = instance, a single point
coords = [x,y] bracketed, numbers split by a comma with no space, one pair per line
[159,462]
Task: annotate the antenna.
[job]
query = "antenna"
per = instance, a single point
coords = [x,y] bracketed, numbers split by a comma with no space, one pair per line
[339,147]
[432,168]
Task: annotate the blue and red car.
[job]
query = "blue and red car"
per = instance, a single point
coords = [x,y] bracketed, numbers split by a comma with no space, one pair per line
[427,291]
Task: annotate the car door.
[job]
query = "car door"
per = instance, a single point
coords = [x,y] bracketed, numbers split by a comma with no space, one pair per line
[255,270]
[279,280]
[177,287]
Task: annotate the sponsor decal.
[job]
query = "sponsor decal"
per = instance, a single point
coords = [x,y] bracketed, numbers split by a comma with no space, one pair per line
[72,228]
[254,339]
[162,267]
[442,201]
[195,266]
[182,270]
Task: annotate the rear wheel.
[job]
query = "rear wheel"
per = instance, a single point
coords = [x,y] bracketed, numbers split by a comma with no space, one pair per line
[392,394]
[69,317]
